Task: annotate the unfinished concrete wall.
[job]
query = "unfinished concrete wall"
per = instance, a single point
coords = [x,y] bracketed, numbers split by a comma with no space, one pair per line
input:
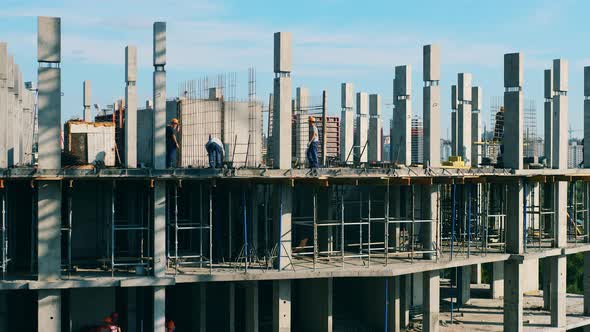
[91,141]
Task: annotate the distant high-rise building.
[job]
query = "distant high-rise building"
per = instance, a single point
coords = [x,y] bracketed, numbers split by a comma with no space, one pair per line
[445,149]
[575,154]
[417,140]
[386,146]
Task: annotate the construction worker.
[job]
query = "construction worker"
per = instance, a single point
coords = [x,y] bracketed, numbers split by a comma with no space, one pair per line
[109,326]
[172,145]
[216,152]
[170,326]
[312,145]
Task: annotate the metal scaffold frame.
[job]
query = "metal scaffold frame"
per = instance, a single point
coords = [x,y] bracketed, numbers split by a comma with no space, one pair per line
[188,222]
[578,221]
[539,217]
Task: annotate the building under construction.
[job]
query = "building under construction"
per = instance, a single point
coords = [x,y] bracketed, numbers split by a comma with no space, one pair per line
[356,245]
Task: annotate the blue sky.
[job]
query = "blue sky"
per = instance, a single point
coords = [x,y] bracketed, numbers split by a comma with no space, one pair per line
[333,42]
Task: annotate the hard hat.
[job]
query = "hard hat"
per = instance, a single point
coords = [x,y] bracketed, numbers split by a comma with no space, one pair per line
[108,319]
[174,121]
[311,118]
[170,324]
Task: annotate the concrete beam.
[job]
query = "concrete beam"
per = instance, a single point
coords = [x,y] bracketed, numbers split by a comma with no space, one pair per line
[375,126]
[362,126]
[431,301]
[87,100]
[131,110]
[49,311]
[281,306]
[347,123]
[513,293]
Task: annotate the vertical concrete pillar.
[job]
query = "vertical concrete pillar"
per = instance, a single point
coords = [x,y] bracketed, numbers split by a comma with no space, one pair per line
[362,126]
[429,195]
[159,213]
[282,100]
[131,110]
[513,310]
[548,93]
[10,111]
[87,100]
[394,303]
[401,131]
[17,123]
[375,126]
[464,284]
[302,124]
[231,306]
[560,114]
[49,310]
[431,105]
[3,311]
[405,300]
[431,301]
[199,294]
[464,117]
[586,115]
[281,306]
[283,203]
[454,103]
[3,105]
[513,111]
[558,291]
[347,123]
[251,306]
[476,274]
[586,287]
[159,309]
[130,321]
[315,308]
[497,283]
[476,105]
[159,95]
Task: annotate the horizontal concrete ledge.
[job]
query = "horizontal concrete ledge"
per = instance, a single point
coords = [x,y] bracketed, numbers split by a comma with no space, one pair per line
[147,281]
[14,285]
[580,321]
[65,284]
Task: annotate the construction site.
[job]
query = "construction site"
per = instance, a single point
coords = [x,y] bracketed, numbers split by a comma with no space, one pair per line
[94,222]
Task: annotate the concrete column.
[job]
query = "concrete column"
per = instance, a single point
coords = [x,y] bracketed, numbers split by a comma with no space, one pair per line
[3,311]
[431,105]
[87,100]
[362,127]
[282,101]
[401,131]
[548,93]
[159,308]
[429,208]
[199,295]
[159,97]
[10,111]
[558,291]
[251,306]
[394,304]
[48,230]
[131,110]
[513,272]
[405,300]
[513,111]
[431,301]
[347,123]
[283,203]
[497,283]
[281,306]
[464,284]
[476,105]
[159,210]
[131,312]
[454,105]
[49,310]
[18,123]
[464,117]
[586,286]
[231,306]
[560,114]
[375,127]
[315,308]
[3,105]
[476,274]
[302,124]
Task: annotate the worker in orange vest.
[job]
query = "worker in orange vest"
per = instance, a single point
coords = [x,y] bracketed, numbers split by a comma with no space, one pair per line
[170,326]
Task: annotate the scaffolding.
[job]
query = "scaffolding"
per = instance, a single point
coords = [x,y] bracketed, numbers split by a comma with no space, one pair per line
[578,216]
[189,232]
